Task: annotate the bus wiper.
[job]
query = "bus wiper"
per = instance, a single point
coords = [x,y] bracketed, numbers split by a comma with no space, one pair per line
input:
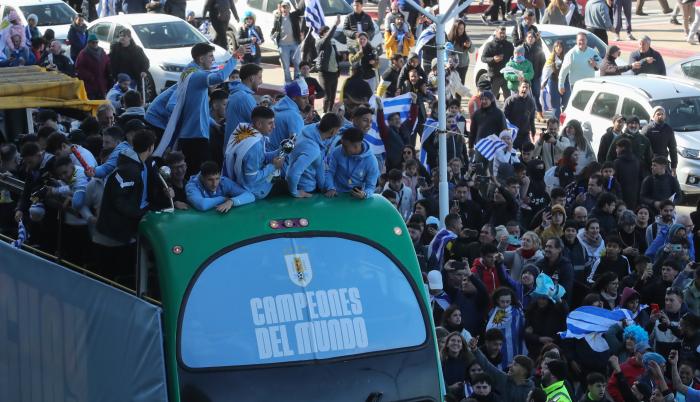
[374,397]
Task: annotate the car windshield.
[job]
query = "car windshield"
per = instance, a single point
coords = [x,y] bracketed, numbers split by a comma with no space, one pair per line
[320,298]
[166,35]
[335,7]
[570,42]
[681,113]
[50,14]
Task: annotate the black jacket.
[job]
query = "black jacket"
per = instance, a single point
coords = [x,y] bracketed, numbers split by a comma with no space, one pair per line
[121,210]
[129,60]
[565,271]
[494,48]
[295,17]
[657,67]
[244,39]
[62,63]
[663,141]
[658,188]
[629,174]
[365,21]
[325,49]
[215,7]
[537,58]
[519,34]
[486,121]
[605,142]
[520,111]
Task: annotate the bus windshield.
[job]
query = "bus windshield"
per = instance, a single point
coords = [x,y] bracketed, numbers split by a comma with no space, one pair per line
[296,299]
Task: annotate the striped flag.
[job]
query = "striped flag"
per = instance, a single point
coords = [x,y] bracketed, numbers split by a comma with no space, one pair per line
[313,14]
[512,128]
[400,104]
[590,323]
[21,235]
[425,37]
[511,322]
[488,146]
[429,128]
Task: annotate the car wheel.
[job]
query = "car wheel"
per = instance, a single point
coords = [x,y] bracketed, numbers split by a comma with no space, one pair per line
[150,90]
[231,41]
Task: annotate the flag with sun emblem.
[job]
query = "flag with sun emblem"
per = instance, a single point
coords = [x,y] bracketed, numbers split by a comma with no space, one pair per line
[299,268]
[511,322]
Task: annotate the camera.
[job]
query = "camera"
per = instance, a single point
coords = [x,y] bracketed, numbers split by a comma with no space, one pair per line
[546,135]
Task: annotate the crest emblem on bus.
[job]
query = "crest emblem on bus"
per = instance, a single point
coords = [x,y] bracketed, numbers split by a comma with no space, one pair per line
[299,268]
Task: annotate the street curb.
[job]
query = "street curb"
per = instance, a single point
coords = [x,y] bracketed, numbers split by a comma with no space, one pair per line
[667,52]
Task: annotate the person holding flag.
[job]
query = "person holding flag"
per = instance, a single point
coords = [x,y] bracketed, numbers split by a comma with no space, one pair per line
[251,34]
[188,125]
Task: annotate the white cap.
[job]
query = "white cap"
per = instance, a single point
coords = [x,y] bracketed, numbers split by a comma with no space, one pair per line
[434,280]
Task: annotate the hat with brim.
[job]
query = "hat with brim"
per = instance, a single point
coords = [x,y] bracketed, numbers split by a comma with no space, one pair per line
[545,287]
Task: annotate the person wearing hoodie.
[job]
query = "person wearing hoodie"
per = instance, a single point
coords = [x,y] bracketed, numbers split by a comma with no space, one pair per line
[662,137]
[131,191]
[660,185]
[591,241]
[352,167]
[545,316]
[126,57]
[288,120]
[118,90]
[208,190]
[189,121]
[513,385]
[306,172]
[247,160]
[161,108]
[489,119]
[518,69]
[610,67]
[241,100]
[536,196]
[598,20]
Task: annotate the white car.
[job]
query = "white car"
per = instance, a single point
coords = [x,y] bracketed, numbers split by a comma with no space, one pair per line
[594,102]
[52,14]
[166,40]
[549,34]
[263,10]
[687,69]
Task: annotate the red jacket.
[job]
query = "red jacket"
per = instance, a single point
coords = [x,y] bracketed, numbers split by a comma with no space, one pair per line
[489,276]
[94,73]
[632,370]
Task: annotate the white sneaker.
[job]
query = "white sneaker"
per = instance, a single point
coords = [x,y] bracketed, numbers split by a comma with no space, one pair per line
[631,37]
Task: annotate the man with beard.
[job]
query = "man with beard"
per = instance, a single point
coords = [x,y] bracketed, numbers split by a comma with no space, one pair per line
[553,379]
[468,292]
[489,119]
[555,264]
[641,147]
[513,385]
[520,110]
[660,185]
[496,54]
[616,130]
[661,137]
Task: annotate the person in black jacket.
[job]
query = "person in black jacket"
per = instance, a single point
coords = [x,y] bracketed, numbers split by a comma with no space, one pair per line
[489,119]
[662,137]
[357,22]
[618,125]
[496,55]
[520,109]
[610,67]
[286,39]
[534,53]
[327,64]
[220,12]
[132,190]
[660,185]
[628,172]
[652,62]
[127,57]
[250,34]
[77,36]
[55,60]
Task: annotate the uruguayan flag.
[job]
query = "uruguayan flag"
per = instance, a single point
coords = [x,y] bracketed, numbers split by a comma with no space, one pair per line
[429,128]
[425,37]
[590,323]
[512,128]
[313,14]
[21,235]
[488,146]
[400,104]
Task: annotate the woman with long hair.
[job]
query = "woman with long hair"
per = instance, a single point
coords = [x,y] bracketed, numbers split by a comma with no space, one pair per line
[643,213]
[452,321]
[607,286]
[462,45]
[631,236]
[455,357]
[556,13]
[574,133]
[550,78]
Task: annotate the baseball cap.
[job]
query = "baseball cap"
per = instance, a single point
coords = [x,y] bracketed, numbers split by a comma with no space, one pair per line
[432,221]
[434,280]
[619,117]
[295,88]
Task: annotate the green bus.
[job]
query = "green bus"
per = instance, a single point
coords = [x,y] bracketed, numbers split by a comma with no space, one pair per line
[291,299]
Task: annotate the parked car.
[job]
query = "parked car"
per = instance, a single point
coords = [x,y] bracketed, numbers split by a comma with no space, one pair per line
[166,40]
[595,101]
[52,14]
[688,69]
[549,34]
[263,10]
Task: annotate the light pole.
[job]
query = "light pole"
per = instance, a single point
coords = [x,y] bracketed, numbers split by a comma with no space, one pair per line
[440,21]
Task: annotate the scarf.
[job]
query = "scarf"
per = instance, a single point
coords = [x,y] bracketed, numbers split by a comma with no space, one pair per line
[527,254]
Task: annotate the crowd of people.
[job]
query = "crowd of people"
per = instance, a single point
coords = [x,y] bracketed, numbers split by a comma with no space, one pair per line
[541,226]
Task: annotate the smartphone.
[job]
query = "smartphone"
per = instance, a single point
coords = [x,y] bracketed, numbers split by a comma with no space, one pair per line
[676,248]
[654,308]
[455,203]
